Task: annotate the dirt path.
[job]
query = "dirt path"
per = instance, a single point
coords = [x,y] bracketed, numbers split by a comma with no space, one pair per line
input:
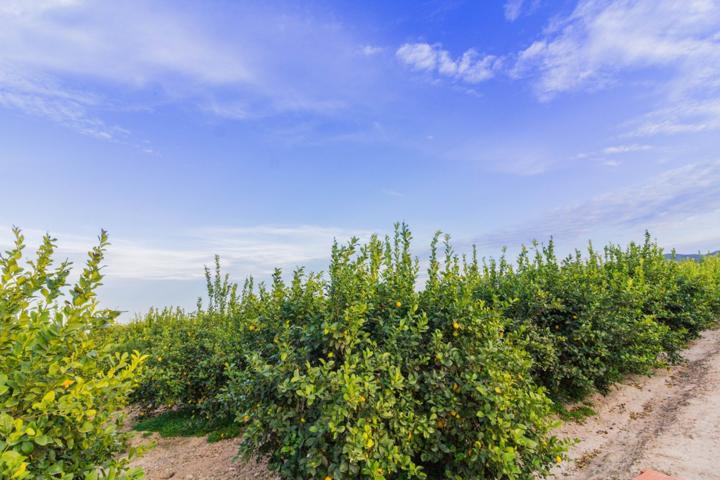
[193,458]
[669,422]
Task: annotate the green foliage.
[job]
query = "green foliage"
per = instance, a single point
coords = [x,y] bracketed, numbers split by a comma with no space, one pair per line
[61,390]
[191,352]
[378,381]
[589,320]
[361,374]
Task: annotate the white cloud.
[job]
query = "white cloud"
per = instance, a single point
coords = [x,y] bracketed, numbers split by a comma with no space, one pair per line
[691,116]
[678,205]
[258,62]
[470,67]
[244,251]
[614,151]
[589,48]
[420,56]
[392,193]
[132,46]
[43,97]
[41,43]
[669,48]
[22,7]
[170,270]
[509,156]
[620,149]
[515,8]
[371,50]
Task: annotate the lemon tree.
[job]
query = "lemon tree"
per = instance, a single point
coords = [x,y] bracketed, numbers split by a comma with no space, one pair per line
[61,390]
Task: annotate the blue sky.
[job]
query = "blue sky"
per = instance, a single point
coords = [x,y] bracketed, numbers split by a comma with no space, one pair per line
[262,130]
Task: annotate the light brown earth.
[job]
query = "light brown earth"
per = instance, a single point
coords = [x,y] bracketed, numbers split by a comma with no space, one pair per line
[669,422]
[193,458]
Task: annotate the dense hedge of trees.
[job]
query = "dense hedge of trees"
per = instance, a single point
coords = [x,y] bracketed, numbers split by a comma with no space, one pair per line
[361,373]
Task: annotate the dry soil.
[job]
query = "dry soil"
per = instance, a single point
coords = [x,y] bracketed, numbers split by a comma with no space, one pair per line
[669,422]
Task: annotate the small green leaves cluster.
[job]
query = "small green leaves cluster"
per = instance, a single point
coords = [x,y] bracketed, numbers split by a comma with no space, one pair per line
[366,373]
[60,390]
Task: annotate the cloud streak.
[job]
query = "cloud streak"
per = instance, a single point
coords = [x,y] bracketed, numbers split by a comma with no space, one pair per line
[515,8]
[689,116]
[255,250]
[470,67]
[265,63]
[589,48]
[688,196]
[40,96]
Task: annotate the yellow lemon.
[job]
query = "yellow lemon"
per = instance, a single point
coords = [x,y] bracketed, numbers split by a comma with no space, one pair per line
[398,304]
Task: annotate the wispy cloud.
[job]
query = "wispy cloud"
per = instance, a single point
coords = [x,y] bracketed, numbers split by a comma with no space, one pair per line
[392,193]
[266,63]
[688,196]
[508,156]
[244,251]
[589,48]
[515,8]
[44,97]
[131,46]
[470,67]
[607,155]
[620,149]
[370,50]
[690,116]
[44,43]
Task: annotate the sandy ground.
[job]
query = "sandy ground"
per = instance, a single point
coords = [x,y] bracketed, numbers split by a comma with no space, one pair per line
[193,458]
[669,422]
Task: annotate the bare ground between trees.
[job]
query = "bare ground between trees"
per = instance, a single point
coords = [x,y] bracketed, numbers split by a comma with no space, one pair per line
[669,422]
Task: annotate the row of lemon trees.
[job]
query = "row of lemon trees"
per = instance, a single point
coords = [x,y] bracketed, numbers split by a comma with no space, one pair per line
[366,373]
